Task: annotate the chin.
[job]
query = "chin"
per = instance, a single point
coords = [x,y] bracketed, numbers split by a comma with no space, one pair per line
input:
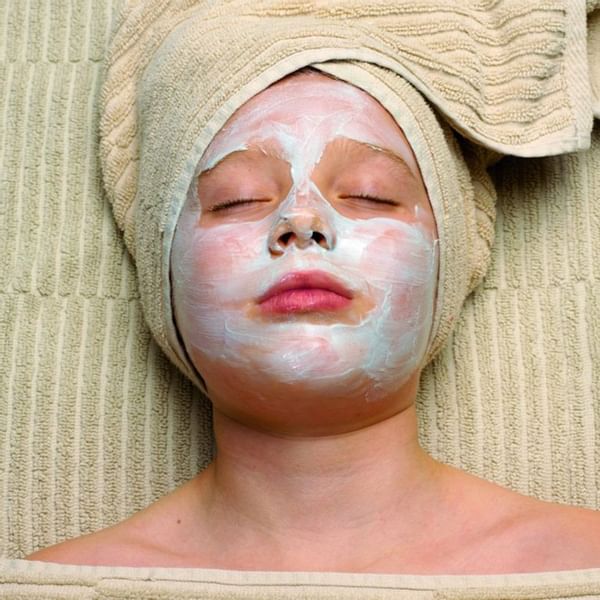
[336,403]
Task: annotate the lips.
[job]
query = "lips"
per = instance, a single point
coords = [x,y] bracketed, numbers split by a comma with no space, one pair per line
[305,291]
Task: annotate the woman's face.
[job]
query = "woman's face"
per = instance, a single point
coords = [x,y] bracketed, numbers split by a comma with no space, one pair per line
[304,264]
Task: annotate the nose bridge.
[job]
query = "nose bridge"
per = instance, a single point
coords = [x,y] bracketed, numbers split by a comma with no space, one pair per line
[303,198]
[305,209]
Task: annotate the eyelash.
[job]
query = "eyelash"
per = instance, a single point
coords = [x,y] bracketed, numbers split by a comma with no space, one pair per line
[231,203]
[373,199]
[242,201]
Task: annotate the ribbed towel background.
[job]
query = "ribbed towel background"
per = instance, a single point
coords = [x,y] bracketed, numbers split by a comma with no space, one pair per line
[94,422]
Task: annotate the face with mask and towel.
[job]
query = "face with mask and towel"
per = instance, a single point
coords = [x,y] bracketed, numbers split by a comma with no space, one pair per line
[305,227]
[304,265]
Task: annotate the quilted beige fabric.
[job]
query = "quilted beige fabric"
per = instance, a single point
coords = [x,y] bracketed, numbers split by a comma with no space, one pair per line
[95,423]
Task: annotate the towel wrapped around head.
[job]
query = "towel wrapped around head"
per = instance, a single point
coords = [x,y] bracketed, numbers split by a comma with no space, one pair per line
[178,70]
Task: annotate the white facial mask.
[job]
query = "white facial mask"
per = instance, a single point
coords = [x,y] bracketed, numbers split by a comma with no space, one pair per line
[390,265]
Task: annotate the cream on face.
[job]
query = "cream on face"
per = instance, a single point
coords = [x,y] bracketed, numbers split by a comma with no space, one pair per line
[296,159]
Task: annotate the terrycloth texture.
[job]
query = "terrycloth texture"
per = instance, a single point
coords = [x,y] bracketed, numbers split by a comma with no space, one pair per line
[94,421]
[178,72]
[516,394]
[179,69]
[21,580]
[594,58]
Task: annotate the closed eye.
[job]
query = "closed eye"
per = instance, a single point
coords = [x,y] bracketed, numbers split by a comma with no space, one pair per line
[370,198]
[237,202]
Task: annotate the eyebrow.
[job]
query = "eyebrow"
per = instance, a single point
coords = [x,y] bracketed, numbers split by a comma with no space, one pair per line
[267,150]
[350,145]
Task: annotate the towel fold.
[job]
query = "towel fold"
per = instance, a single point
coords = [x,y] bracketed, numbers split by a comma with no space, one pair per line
[594,57]
[22,580]
[178,70]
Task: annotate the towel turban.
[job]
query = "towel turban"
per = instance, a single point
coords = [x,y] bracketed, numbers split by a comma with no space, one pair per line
[177,70]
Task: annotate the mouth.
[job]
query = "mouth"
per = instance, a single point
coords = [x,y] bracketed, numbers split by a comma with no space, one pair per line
[305,291]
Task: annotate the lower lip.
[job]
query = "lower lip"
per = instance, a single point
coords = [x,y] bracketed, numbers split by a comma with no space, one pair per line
[304,300]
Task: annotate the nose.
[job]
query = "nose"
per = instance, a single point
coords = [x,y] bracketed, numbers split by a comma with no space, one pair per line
[302,228]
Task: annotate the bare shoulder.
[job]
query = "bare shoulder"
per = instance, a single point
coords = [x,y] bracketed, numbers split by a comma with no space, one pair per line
[556,537]
[124,544]
[90,549]
[576,530]
[150,537]
[519,533]
[116,545]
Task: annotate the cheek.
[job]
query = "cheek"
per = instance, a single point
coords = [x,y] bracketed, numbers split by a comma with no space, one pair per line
[200,270]
[214,256]
[400,265]
[221,263]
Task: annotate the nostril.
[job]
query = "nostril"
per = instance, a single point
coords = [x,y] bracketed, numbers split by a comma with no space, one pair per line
[285,238]
[320,239]
[302,235]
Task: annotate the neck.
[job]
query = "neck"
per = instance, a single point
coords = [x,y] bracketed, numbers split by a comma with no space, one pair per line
[346,490]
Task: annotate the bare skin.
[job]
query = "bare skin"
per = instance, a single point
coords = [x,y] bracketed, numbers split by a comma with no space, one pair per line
[310,483]
[370,501]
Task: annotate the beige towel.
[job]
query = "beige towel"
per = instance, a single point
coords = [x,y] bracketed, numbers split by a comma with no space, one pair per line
[594,58]
[178,71]
[44,581]
[94,423]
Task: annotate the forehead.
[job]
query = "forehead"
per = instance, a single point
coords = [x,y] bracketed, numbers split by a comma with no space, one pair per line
[309,108]
[308,93]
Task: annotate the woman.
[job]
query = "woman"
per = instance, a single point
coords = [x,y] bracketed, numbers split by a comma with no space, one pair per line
[310,274]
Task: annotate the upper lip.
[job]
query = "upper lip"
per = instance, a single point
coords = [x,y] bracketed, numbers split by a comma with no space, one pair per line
[306,280]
